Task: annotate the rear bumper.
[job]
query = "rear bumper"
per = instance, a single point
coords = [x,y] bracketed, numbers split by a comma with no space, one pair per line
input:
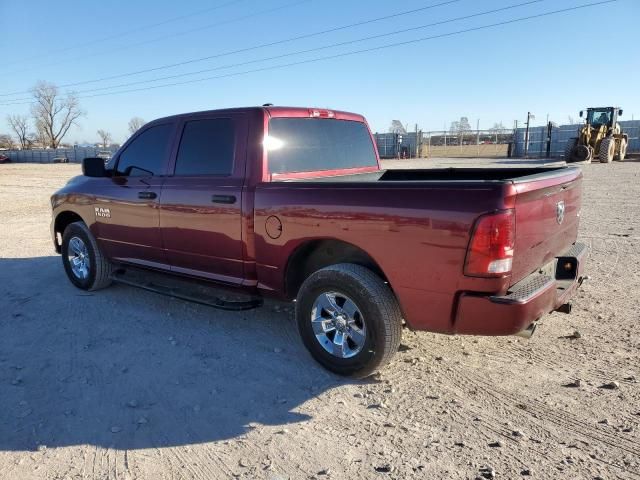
[527,301]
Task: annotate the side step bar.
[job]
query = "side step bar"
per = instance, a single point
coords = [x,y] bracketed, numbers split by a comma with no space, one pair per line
[185,289]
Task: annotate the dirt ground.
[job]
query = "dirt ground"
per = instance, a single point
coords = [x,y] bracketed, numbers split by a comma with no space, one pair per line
[488,150]
[127,384]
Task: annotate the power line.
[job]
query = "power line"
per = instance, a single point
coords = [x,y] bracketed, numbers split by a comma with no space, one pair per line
[175,34]
[255,47]
[127,32]
[310,50]
[357,52]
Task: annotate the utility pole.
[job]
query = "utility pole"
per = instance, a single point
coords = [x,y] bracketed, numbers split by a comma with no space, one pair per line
[445,137]
[530,116]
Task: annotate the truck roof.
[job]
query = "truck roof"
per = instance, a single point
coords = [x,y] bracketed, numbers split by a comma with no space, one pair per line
[273,111]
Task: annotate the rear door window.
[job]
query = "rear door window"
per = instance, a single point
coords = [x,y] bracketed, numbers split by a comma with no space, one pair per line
[147,153]
[316,144]
[206,148]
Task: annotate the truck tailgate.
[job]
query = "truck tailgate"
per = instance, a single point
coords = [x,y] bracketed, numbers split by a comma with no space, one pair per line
[547,216]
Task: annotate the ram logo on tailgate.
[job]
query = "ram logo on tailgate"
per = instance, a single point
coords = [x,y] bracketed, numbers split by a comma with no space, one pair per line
[560,211]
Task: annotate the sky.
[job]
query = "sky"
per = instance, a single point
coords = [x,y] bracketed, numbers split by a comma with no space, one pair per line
[552,66]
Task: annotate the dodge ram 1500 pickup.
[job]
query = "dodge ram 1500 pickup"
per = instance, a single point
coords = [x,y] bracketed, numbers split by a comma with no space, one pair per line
[292,203]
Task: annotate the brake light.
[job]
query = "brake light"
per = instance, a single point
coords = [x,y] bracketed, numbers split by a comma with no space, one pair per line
[321,114]
[490,252]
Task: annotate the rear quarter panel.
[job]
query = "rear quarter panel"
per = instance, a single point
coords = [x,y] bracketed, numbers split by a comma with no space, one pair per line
[417,233]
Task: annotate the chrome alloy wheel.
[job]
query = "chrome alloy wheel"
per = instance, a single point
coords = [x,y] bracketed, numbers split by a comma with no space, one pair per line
[338,324]
[78,256]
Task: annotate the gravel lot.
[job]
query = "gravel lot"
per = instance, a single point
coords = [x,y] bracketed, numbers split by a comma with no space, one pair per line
[126,384]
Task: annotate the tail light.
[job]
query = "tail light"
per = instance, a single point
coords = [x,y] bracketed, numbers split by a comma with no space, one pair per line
[490,252]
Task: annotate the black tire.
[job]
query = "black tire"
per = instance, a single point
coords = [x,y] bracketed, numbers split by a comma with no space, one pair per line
[99,268]
[621,152]
[568,149]
[575,153]
[607,150]
[380,313]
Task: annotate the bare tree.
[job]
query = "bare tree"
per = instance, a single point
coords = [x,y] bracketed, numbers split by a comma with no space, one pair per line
[134,124]
[6,141]
[105,137]
[54,114]
[20,124]
[460,128]
[497,128]
[41,135]
[397,127]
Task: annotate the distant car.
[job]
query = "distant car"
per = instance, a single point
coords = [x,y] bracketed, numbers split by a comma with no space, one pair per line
[61,159]
[104,154]
[4,159]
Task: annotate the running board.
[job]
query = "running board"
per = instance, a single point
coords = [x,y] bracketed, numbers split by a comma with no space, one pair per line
[185,289]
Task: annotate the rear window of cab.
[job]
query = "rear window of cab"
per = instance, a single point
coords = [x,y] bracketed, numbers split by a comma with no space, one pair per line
[297,145]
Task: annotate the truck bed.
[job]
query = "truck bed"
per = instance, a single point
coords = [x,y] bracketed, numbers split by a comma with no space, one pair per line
[445,175]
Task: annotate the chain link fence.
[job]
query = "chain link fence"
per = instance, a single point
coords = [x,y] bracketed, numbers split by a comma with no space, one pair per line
[441,144]
[537,142]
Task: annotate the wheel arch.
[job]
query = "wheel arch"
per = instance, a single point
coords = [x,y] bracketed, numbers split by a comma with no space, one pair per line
[62,220]
[313,255]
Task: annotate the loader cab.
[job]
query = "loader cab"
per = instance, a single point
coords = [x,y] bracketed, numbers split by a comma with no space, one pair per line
[597,117]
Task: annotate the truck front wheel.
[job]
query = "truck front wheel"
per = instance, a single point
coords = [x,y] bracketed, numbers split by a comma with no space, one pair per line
[349,319]
[85,264]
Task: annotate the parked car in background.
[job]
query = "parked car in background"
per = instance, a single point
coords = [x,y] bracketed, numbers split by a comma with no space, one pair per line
[4,158]
[60,159]
[292,203]
[105,155]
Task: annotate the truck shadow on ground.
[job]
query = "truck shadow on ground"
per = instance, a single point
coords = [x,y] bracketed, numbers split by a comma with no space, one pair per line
[128,369]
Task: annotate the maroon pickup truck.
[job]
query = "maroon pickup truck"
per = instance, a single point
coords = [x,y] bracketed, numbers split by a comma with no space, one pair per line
[292,203]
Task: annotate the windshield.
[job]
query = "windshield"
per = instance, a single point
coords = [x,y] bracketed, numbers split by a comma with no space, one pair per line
[599,117]
[317,144]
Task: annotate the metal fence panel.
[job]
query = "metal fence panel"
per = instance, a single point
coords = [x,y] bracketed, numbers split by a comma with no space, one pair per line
[75,155]
[390,146]
[560,136]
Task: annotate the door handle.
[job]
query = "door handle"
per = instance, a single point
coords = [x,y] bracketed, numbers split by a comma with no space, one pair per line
[227,199]
[147,195]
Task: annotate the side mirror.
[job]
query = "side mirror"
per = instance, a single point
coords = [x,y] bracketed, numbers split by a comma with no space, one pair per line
[620,112]
[581,112]
[93,167]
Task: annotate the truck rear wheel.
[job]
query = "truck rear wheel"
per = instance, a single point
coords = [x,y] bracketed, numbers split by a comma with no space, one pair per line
[622,150]
[349,319]
[85,265]
[607,149]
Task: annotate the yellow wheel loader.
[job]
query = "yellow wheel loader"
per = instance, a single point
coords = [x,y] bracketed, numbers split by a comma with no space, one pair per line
[600,138]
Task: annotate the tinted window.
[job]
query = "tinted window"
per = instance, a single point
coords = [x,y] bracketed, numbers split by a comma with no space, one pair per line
[311,144]
[146,153]
[206,148]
